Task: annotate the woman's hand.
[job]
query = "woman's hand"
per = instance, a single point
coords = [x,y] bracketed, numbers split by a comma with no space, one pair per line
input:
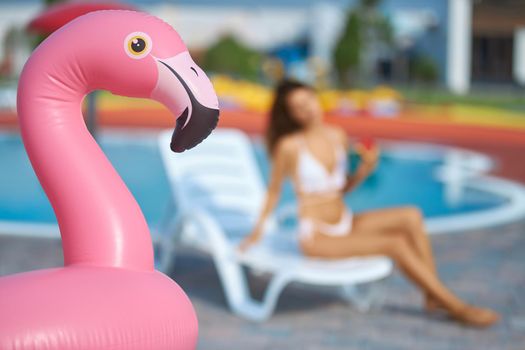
[249,240]
[369,160]
[349,184]
[370,157]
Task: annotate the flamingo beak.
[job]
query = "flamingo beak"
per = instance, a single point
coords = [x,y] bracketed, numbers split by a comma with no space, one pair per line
[187,92]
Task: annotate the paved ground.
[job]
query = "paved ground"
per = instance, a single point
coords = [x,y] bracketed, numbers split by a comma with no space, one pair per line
[485,267]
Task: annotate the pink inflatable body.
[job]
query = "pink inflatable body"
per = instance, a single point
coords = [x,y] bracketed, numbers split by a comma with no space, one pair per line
[108,295]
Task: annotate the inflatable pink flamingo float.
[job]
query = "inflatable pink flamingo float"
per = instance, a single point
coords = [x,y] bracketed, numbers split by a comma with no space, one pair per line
[108,295]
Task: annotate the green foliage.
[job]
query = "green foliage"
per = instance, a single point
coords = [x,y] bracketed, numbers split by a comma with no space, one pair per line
[348,49]
[385,31]
[51,2]
[366,31]
[370,3]
[231,57]
[424,69]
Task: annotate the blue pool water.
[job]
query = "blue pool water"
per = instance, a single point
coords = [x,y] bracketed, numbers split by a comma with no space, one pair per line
[397,181]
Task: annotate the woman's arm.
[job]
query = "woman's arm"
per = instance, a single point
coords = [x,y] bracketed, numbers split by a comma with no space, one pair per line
[368,163]
[279,171]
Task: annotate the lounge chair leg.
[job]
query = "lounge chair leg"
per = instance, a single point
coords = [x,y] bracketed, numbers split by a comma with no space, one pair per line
[363,297]
[261,310]
[238,295]
[228,267]
[232,275]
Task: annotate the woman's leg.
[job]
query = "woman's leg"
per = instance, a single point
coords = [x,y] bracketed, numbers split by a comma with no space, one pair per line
[398,249]
[406,221]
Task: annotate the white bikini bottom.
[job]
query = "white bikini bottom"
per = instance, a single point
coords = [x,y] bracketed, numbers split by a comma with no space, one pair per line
[307,227]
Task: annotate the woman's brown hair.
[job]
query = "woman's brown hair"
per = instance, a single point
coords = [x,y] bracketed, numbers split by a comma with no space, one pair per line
[281,122]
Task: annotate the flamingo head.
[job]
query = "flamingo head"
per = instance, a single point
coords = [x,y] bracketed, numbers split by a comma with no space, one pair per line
[138,55]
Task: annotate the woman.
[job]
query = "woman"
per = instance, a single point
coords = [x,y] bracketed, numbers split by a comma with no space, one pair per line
[313,155]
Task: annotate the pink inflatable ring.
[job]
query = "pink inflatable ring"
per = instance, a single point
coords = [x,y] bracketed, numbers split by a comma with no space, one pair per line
[108,295]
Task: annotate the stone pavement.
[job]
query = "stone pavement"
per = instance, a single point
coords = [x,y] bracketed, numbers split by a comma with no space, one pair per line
[485,267]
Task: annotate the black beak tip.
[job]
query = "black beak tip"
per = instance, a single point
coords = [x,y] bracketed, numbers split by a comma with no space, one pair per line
[188,134]
[197,130]
[176,148]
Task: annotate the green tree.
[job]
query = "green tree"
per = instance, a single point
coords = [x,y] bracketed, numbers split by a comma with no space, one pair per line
[51,2]
[424,69]
[48,3]
[348,49]
[231,57]
[366,36]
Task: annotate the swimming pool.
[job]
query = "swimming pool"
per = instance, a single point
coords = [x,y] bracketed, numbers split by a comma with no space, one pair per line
[406,175]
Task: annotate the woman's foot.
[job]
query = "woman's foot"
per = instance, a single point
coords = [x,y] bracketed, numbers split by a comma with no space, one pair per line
[475,316]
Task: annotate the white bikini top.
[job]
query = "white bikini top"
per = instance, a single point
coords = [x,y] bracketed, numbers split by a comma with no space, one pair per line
[312,175]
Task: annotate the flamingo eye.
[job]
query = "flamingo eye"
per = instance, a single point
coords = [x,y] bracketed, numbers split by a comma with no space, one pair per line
[137,45]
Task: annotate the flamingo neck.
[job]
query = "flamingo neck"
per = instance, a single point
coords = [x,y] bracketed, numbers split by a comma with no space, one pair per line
[100,222]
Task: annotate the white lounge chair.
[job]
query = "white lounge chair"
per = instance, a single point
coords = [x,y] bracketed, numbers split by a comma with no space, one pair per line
[218,192]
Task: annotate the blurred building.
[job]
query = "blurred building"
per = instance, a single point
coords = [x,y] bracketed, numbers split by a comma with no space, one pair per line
[498,41]
[467,40]
[486,42]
